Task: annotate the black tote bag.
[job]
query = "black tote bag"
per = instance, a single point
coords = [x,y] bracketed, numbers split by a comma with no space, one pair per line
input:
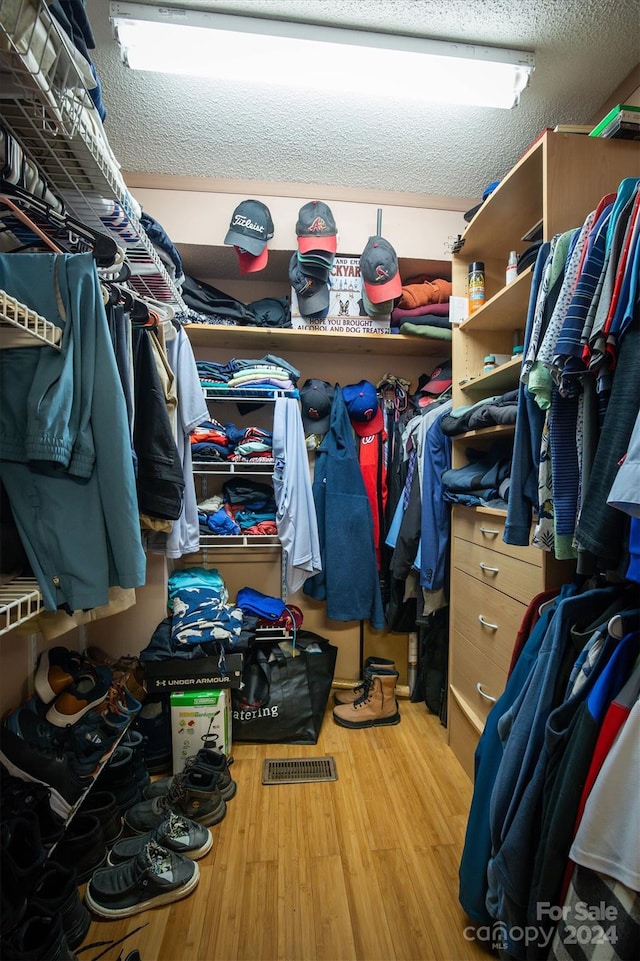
[284,698]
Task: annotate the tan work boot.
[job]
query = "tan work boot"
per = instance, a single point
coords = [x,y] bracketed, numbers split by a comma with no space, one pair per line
[376,707]
[348,697]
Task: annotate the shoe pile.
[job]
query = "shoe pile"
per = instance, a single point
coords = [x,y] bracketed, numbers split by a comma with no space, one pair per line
[60,736]
[42,914]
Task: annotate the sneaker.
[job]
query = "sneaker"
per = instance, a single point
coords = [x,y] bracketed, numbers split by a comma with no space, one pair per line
[154,723]
[103,805]
[85,746]
[22,797]
[56,892]
[37,938]
[174,833]
[207,759]
[53,767]
[22,856]
[87,691]
[118,777]
[56,669]
[82,847]
[153,878]
[195,796]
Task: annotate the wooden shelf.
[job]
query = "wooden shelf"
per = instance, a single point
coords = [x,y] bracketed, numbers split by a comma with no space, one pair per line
[507,310]
[279,340]
[504,429]
[496,381]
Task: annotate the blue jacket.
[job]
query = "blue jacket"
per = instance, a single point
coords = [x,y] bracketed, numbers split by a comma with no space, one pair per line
[349,580]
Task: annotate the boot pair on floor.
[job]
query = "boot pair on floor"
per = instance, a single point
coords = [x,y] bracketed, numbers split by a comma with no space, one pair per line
[373,702]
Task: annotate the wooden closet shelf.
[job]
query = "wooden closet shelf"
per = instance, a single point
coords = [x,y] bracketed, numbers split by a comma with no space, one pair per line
[274,340]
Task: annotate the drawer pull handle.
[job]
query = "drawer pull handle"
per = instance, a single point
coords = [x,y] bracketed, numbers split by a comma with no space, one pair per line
[487,697]
[489,570]
[489,530]
[494,627]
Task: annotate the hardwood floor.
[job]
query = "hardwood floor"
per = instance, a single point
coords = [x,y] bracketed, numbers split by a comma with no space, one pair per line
[359,869]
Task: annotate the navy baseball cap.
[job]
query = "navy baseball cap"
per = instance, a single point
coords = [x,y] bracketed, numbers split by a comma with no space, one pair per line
[361,401]
[312,293]
[316,228]
[316,399]
[251,227]
[379,271]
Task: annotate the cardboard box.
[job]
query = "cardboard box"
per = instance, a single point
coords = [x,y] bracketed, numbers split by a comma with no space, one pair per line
[198,674]
[344,305]
[199,719]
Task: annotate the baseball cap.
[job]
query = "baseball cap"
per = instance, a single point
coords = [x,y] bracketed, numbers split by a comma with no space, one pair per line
[379,271]
[361,401]
[382,309]
[316,398]
[313,293]
[249,264]
[488,190]
[251,227]
[316,228]
[432,385]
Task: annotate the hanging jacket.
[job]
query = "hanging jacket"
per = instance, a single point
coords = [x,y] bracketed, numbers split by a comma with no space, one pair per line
[348,581]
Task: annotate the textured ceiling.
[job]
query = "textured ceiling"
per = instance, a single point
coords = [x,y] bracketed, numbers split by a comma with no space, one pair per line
[165,124]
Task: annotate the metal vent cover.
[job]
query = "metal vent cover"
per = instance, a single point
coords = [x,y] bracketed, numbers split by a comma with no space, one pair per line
[298,770]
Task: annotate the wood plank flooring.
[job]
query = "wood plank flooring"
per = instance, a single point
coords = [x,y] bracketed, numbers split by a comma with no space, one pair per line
[359,869]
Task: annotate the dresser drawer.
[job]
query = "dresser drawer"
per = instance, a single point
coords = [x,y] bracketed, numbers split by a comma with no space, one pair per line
[487,530]
[487,618]
[463,736]
[504,573]
[478,680]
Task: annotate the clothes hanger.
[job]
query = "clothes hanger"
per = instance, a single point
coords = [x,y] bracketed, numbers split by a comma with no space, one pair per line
[104,248]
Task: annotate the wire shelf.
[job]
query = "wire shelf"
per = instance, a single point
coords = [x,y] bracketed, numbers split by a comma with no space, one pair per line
[265,394]
[18,316]
[47,108]
[20,600]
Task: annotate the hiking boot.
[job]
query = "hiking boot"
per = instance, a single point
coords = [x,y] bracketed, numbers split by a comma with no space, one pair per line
[195,796]
[348,697]
[56,669]
[87,691]
[82,847]
[37,938]
[53,766]
[205,758]
[154,877]
[175,833]
[56,892]
[376,707]
[103,805]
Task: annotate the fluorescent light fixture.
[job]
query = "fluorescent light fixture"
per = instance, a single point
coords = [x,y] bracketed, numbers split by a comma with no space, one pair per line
[251,50]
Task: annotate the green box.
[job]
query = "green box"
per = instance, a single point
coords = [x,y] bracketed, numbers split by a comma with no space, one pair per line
[199,719]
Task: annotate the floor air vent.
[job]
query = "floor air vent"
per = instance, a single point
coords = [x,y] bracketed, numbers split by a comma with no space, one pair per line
[297,770]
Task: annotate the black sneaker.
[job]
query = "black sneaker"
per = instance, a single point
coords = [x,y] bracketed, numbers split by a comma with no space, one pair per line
[82,847]
[209,760]
[35,939]
[19,797]
[153,878]
[56,892]
[51,766]
[195,796]
[103,805]
[119,776]
[175,833]
[154,723]
[21,859]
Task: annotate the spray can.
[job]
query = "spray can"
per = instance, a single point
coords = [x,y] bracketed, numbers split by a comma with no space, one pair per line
[476,286]
[512,268]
